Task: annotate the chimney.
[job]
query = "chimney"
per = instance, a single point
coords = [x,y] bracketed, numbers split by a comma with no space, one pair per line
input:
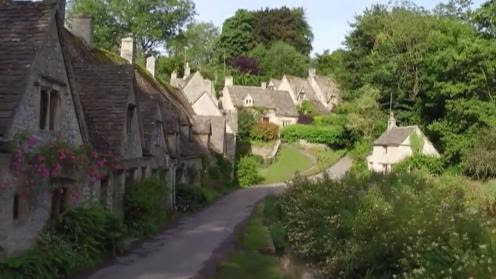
[187,71]
[312,72]
[391,121]
[229,81]
[173,75]
[82,27]
[150,65]
[60,12]
[264,85]
[127,49]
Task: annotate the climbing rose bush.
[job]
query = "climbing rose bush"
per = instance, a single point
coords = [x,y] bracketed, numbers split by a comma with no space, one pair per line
[33,160]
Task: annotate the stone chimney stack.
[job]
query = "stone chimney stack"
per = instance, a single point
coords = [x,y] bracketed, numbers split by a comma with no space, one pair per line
[150,65]
[312,72]
[187,71]
[173,75]
[60,12]
[264,85]
[391,121]
[127,49]
[229,81]
[82,27]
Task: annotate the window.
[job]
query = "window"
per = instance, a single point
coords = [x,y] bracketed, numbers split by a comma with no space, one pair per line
[248,102]
[159,130]
[104,183]
[49,110]
[130,116]
[265,119]
[16,210]
[286,123]
[59,202]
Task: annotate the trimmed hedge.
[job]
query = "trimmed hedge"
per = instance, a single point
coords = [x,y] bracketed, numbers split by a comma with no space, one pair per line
[262,131]
[330,135]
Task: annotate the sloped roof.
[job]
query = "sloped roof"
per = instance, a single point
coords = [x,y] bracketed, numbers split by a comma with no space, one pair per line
[328,86]
[395,136]
[299,84]
[104,93]
[279,100]
[202,126]
[23,30]
[276,82]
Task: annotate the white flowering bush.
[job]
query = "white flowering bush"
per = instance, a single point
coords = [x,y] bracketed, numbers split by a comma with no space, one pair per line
[395,226]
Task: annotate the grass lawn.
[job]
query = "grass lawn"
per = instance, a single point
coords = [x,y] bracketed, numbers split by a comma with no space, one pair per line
[325,159]
[289,160]
[247,262]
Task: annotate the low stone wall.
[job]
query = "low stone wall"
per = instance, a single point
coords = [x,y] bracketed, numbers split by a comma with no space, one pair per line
[268,153]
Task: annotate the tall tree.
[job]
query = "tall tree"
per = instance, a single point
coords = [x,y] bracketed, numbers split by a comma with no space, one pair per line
[485,18]
[195,44]
[461,9]
[236,35]
[151,22]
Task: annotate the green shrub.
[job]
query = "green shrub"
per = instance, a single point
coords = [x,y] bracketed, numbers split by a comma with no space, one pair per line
[480,161]
[403,226]
[278,234]
[429,164]
[247,171]
[330,135]
[145,206]
[78,239]
[262,131]
[191,198]
[307,108]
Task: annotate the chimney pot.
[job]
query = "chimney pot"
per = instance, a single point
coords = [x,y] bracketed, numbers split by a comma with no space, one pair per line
[127,49]
[264,85]
[229,81]
[312,72]
[81,26]
[150,65]
[187,71]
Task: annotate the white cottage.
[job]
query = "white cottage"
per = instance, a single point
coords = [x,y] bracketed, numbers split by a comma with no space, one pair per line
[395,145]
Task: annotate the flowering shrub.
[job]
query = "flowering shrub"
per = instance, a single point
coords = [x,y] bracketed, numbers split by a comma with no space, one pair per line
[262,131]
[33,160]
[396,226]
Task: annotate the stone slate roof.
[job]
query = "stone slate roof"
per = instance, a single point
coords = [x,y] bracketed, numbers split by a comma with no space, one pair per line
[104,93]
[302,85]
[23,30]
[276,82]
[202,126]
[328,86]
[396,136]
[279,100]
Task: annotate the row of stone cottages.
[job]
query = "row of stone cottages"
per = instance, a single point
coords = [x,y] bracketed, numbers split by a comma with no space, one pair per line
[55,86]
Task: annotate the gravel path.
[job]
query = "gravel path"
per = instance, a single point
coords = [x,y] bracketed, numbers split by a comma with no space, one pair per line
[193,247]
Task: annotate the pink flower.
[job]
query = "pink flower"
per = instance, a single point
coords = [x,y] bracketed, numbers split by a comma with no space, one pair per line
[57,170]
[101,163]
[33,140]
[93,155]
[40,158]
[61,155]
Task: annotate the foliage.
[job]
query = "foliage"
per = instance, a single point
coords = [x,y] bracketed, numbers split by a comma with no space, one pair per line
[376,226]
[280,59]
[247,173]
[145,206]
[429,164]
[305,119]
[307,108]
[485,20]
[264,131]
[151,22]
[248,29]
[245,64]
[480,160]
[247,118]
[416,142]
[77,240]
[195,44]
[330,135]
[272,219]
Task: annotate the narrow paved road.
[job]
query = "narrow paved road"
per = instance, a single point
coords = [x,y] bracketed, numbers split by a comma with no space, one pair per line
[193,247]
[338,170]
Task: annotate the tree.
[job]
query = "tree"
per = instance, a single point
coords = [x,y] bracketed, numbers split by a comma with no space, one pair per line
[151,22]
[480,161]
[195,44]
[455,8]
[485,18]
[235,37]
[281,59]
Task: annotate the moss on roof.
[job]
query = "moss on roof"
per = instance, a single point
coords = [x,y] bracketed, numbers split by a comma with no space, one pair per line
[105,56]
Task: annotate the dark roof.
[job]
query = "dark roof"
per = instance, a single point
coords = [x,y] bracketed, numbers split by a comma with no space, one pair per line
[105,90]
[218,126]
[395,136]
[265,98]
[23,30]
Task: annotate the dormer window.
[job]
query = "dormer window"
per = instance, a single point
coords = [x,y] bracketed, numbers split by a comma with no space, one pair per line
[130,115]
[49,110]
[248,101]
[301,96]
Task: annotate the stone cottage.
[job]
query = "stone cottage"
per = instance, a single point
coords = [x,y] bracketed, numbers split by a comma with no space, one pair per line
[38,98]
[278,105]
[322,92]
[396,144]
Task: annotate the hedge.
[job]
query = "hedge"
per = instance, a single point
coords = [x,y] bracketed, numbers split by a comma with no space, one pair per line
[330,135]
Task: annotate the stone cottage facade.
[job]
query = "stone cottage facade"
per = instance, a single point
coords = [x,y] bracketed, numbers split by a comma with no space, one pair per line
[322,92]
[54,86]
[278,105]
[395,145]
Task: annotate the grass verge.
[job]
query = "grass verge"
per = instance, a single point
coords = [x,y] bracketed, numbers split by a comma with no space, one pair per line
[289,161]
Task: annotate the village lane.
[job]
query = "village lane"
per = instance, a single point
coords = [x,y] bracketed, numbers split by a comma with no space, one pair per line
[194,245]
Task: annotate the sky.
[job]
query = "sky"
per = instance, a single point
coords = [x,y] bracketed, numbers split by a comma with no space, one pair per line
[329,19]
